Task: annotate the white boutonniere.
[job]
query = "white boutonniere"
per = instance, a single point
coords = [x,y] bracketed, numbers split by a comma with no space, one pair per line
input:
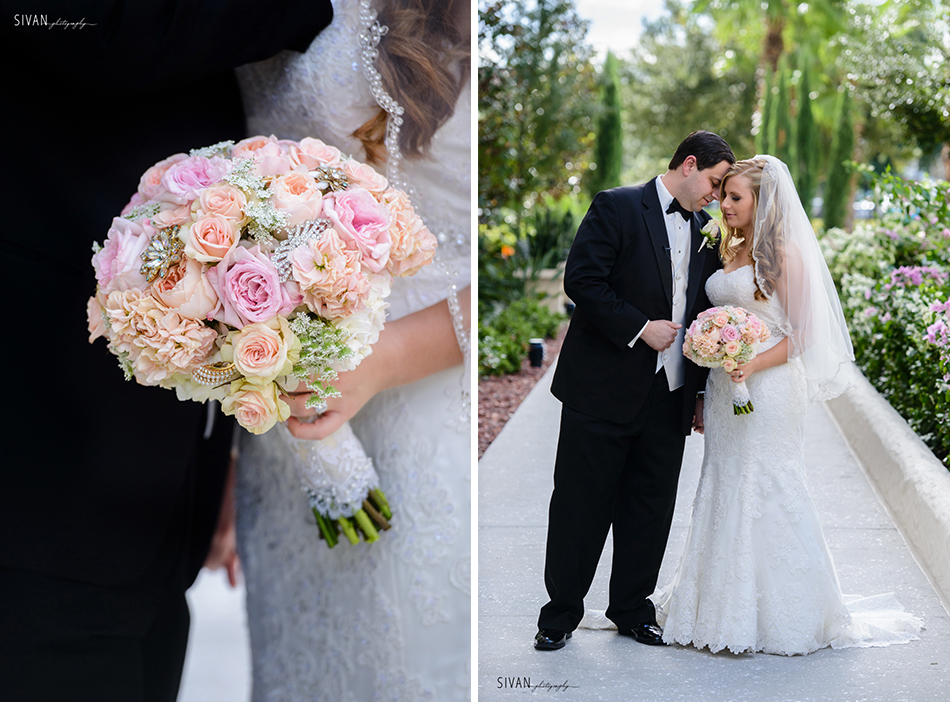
[709,231]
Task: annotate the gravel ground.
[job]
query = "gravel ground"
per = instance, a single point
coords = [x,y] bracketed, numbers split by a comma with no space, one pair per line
[500,395]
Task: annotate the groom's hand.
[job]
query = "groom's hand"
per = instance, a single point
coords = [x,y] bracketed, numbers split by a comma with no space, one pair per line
[659,334]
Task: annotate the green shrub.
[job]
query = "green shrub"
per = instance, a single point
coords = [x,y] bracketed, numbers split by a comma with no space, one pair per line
[504,334]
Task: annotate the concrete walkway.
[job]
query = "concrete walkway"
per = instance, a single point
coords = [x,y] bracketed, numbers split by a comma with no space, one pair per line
[515,479]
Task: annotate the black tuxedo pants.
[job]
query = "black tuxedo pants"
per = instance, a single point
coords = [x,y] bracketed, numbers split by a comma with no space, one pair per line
[620,475]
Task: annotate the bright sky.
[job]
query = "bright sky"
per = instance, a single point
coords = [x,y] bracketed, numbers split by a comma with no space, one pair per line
[616,24]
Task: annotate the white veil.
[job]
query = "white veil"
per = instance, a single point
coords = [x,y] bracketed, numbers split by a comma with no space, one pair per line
[786,250]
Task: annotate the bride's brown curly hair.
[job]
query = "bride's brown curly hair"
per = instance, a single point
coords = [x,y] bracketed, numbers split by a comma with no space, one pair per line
[424,61]
[768,252]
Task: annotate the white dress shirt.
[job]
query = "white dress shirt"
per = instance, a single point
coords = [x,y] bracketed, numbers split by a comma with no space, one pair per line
[678,231]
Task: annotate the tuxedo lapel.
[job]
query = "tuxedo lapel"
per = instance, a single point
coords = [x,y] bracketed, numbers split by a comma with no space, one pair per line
[656,227]
[696,260]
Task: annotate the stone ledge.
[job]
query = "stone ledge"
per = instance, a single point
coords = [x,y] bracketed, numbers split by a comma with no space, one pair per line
[913,483]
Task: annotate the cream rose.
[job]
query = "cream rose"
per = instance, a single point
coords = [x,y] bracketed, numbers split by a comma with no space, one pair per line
[364,176]
[224,200]
[311,153]
[263,351]
[297,196]
[257,409]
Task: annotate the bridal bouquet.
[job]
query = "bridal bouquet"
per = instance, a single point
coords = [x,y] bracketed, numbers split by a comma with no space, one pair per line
[727,337]
[241,269]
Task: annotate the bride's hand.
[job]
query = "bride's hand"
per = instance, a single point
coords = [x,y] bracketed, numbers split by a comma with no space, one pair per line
[409,349]
[743,372]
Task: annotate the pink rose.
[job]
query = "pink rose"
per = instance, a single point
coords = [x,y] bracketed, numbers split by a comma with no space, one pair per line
[311,153]
[413,244]
[224,200]
[362,223]
[732,348]
[330,276]
[257,409]
[184,179]
[96,324]
[210,238]
[297,196]
[730,333]
[150,184]
[186,290]
[117,264]
[249,289]
[364,176]
[263,351]
[269,158]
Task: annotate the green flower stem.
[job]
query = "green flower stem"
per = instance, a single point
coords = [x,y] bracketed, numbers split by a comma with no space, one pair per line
[747,408]
[349,531]
[363,522]
[327,528]
[382,504]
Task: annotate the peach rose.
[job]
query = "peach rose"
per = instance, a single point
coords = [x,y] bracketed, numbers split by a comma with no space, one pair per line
[729,365]
[224,200]
[257,409]
[311,153]
[210,238]
[713,335]
[263,351]
[269,157]
[171,214]
[186,290]
[97,325]
[732,347]
[413,243]
[721,318]
[297,196]
[364,176]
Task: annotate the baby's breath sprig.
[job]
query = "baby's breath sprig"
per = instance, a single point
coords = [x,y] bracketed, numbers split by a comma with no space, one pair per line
[262,219]
[321,345]
[242,176]
[222,148]
[150,211]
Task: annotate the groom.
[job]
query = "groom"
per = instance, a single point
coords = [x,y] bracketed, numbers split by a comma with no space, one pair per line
[636,273]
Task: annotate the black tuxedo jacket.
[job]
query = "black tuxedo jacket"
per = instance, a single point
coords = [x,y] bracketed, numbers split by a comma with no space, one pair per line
[619,276]
[93,467]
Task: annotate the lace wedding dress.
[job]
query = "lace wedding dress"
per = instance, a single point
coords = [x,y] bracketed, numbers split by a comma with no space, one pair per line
[388,620]
[756,574]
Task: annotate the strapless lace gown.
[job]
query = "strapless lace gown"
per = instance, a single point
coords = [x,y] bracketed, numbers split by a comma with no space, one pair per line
[390,620]
[756,574]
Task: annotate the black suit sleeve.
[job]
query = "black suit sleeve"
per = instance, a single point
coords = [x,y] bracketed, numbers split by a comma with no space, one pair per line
[596,249]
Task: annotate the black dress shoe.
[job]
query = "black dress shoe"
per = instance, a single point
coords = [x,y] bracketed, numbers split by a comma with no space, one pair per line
[647,633]
[550,639]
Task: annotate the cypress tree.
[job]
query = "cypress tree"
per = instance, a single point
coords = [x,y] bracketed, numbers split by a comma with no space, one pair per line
[608,147]
[762,138]
[837,188]
[807,142]
[780,122]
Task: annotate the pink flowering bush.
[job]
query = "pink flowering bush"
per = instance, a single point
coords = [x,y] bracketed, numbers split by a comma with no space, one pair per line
[894,279]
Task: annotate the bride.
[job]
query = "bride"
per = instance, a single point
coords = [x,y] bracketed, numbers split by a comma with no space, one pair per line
[388,620]
[756,574]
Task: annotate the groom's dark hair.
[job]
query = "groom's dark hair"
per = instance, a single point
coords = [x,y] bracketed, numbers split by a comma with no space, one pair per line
[709,149]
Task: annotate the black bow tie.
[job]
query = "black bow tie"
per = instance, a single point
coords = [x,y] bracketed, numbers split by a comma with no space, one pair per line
[675,206]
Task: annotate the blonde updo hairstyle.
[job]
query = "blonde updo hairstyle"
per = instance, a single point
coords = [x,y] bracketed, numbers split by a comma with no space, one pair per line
[424,62]
[766,244]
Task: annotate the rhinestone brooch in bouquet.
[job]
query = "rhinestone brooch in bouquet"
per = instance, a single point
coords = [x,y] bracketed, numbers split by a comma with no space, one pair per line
[238,270]
[726,337]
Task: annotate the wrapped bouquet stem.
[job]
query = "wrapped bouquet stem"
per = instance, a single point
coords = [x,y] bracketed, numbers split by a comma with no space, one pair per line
[342,485]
